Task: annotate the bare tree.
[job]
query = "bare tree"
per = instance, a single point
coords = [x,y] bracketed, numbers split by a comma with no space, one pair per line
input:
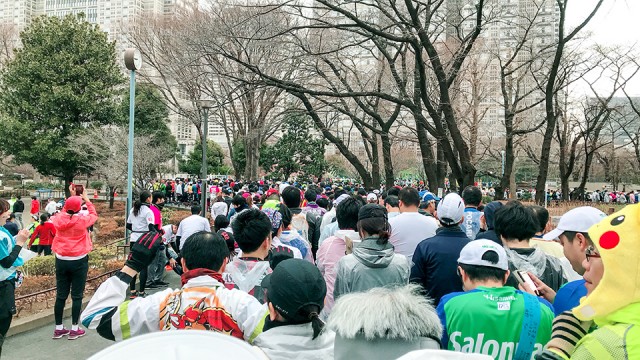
[551,88]
[107,149]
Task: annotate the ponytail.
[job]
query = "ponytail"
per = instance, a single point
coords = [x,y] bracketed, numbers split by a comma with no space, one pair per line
[138,204]
[316,324]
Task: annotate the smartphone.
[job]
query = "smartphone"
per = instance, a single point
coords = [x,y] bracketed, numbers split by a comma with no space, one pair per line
[79,189]
[524,279]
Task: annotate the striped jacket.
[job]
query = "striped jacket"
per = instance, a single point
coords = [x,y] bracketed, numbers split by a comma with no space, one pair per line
[203,303]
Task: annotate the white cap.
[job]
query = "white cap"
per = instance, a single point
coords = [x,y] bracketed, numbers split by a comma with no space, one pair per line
[340,199]
[579,219]
[451,209]
[472,253]
[372,197]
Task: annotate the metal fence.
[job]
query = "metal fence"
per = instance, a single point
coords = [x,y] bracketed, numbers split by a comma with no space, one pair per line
[47,296]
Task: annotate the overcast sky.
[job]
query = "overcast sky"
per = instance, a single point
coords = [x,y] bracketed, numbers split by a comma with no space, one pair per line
[616,23]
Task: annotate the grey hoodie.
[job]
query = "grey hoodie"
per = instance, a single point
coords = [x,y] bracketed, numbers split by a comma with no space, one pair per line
[370,265]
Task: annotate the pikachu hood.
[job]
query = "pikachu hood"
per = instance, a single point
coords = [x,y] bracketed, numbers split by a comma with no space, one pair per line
[617,239]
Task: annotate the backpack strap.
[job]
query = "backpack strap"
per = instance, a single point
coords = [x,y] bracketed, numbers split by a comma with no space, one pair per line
[530,325]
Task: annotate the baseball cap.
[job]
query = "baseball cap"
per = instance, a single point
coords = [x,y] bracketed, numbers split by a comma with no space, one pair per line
[73,204]
[490,212]
[451,209]
[271,192]
[372,211]
[472,253]
[340,198]
[293,285]
[429,196]
[579,219]
[372,197]
[227,190]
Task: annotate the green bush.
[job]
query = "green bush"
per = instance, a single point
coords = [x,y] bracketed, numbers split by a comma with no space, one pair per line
[487,199]
[167,213]
[41,265]
[96,185]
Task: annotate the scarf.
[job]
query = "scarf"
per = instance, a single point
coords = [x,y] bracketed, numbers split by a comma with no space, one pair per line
[201,272]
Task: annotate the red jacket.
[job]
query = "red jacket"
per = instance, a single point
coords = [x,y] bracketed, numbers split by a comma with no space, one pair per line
[72,237]
[46,232]
[35,206]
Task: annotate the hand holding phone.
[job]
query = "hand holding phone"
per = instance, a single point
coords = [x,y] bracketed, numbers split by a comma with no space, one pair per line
[79,189]
[525,280]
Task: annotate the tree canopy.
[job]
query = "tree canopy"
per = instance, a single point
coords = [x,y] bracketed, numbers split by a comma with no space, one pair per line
[297,151]
[193,162]
[151,116]
[62,80]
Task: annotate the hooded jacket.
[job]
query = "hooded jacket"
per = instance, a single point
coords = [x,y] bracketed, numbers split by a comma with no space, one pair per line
[370,265]
[289,342]
[72,238]
[384,324]
[546,267]
[330,252]
[614,305]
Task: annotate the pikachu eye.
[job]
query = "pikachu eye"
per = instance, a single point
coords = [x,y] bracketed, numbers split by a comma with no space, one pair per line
[617,221]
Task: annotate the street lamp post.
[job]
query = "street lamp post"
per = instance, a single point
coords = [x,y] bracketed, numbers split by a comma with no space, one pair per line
[205,105]
[133,62]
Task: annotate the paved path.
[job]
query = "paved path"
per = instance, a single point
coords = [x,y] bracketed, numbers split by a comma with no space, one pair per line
[38,344]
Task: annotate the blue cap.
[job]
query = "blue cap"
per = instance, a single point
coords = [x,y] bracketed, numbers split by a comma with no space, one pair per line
[429,196]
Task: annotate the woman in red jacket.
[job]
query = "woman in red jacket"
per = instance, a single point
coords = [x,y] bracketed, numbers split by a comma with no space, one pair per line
[35,206]
[71,245]
[46,232]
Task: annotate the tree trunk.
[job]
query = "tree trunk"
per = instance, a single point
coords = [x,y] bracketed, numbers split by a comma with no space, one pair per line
[68,179]
[428,161]
[375,161]
[252,152]
[441,168]
[585,172]
[509,160]
[112,192]
[389,178]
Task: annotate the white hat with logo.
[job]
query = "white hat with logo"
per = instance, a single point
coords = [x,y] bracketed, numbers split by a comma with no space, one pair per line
[579,219]
[472,253]
[451,209]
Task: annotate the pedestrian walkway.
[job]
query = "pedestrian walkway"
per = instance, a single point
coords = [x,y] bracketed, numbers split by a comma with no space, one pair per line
[37,344]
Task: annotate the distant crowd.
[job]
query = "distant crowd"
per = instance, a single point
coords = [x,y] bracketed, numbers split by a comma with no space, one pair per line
[337,271]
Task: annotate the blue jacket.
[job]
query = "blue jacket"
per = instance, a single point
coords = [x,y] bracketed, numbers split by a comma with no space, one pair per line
[435,262]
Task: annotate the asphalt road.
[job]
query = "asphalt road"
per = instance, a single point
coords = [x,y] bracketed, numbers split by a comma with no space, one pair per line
[38,344]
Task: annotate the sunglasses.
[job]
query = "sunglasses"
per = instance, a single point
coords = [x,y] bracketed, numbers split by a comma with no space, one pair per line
[591,252]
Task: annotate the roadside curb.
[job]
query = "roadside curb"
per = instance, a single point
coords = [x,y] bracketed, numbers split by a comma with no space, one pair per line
[28,323]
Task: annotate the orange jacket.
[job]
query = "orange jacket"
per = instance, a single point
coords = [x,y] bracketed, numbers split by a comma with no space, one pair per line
[72,237]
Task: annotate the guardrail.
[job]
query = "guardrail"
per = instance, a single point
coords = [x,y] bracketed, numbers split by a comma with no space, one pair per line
[48,295]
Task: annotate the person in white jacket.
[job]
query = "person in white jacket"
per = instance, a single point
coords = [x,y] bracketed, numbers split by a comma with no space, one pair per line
[51,207]
[293,330]
[202,303]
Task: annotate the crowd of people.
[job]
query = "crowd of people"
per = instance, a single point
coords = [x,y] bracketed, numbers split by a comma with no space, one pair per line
[333,271]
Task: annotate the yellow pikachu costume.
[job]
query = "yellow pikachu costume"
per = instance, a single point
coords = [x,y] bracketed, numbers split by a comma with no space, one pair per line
[614,304]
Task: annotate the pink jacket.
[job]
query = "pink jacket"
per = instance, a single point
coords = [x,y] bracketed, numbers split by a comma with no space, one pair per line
[72,237]
[327,257]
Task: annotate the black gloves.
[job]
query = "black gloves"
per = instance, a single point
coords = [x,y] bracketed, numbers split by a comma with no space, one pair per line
[144,250]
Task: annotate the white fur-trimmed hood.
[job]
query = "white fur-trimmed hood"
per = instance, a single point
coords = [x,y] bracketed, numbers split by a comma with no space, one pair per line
[390,313]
